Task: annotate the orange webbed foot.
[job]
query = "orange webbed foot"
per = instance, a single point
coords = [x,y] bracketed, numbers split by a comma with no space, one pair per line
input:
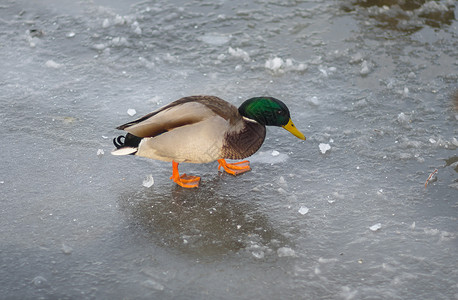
[186,181]
[236,168]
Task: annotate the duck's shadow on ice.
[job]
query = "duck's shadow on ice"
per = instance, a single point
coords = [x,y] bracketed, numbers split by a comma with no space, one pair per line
[203,222]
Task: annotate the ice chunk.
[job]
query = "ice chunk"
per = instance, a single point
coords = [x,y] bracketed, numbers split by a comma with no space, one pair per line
[99,47]
[324,147]
[403,118]
[278,66]
[239,53]
[131,112]
[303,210]
[100,152]
[376,227]
[70,34]
[258,254]
[52,64]
[119,20]
[313,100]
[149,181]
[119,41]
[275,153]
[432,141]
[365,70]
[66,249]
[285,252]
[274,64]
[105,23]
[137,30]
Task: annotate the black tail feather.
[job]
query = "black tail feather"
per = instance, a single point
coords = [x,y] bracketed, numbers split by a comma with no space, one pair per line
[129,140]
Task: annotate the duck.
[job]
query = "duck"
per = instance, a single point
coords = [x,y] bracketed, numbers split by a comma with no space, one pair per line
[203,129]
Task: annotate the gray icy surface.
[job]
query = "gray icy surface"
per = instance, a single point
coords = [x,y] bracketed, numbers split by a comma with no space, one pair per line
[376,84]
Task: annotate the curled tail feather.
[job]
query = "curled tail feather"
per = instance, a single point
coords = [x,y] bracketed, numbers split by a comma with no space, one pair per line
[126,144]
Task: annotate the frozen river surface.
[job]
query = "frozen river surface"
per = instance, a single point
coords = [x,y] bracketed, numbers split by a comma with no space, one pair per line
[342,215]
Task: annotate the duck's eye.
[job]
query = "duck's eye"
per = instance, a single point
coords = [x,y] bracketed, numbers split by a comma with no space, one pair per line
[279,112]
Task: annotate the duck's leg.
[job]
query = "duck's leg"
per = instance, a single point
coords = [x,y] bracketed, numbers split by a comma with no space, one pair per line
[184,180]
[234,168]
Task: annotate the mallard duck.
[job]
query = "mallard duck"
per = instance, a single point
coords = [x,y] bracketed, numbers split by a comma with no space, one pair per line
[203,129]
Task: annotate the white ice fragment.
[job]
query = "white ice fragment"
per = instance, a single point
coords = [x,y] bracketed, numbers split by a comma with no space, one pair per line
[100,152]
[239,53]
[131,112]
[119,41]
[282,191]
[412,75]
[239,226]
[314,101]
[285,252]
[266,157]
[105,23]
[52,64]
[138,30]
[274,64]
[406,91]
[432,141]
[375,227]
[99,47]
[323,71]
[66,249]
[70,34]
[364,68]
[258,254]
[221,57]
[403,118]
[412,226]
[275,153]
[149,181]
[455,142]
[119,20]
[303,210]
[324,147]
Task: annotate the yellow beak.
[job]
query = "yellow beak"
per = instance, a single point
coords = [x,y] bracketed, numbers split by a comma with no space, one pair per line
[291,128]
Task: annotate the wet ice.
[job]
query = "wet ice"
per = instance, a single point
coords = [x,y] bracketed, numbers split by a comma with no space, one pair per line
[377,79]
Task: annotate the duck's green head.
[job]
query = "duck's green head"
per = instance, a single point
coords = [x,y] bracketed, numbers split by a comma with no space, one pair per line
[271,112]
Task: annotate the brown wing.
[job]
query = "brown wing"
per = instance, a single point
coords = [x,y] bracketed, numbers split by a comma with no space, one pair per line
[185,111]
